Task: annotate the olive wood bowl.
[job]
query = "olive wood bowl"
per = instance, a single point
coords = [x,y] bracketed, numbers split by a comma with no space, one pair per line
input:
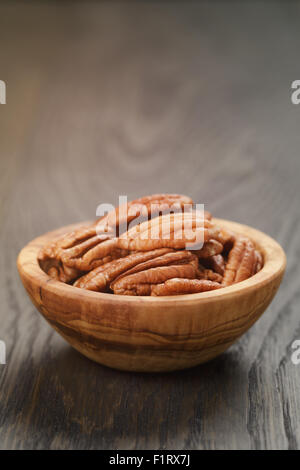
[153,334]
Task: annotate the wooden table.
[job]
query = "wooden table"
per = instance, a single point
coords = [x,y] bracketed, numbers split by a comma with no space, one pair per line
[123,98]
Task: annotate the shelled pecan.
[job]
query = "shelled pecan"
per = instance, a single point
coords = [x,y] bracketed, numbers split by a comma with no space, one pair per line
[258,264]
[118,221]
[216,263]
[209,274]
[243,262]
[91,246]
[177,286]
[170,258]
[178,231]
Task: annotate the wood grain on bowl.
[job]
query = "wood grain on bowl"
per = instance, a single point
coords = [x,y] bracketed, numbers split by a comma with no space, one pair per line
[153,333]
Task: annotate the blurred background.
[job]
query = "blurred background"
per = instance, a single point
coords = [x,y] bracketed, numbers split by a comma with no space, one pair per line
[132,98]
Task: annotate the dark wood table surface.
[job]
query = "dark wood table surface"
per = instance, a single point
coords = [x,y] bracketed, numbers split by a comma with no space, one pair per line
[108,99]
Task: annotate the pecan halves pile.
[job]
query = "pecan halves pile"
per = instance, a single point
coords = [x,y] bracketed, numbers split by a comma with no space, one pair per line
[157,245]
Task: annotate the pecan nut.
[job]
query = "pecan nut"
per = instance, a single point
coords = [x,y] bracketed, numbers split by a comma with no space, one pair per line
[118,221]
[178,231]
[91,246]
[258,262]
[216,263]
[170,257]
[67,263]
[243,262]
[141,283]
[209,274]
[177,286]
[99,278]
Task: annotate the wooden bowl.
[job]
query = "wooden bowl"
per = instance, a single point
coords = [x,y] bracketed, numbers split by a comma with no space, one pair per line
[153,334]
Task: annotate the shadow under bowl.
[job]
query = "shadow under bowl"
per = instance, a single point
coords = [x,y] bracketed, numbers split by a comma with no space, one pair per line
[153,334]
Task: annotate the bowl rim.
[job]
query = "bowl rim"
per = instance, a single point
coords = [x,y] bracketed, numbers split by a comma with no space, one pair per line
[274,266]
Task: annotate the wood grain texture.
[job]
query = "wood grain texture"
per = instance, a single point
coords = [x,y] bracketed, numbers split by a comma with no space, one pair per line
[122,98]
[150,334]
